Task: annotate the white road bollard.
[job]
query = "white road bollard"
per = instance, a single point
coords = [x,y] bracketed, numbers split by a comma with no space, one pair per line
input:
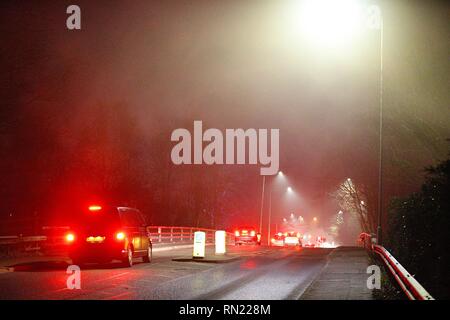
[220,242]
[199,245]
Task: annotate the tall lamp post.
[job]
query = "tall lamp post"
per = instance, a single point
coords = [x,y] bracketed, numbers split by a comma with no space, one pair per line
[289,190]
[333,21]
[262,204]
[279,174]
[378,22]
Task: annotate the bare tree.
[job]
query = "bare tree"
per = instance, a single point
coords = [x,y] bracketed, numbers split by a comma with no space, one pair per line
[353,200]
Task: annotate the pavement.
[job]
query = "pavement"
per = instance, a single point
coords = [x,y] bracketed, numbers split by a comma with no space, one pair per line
[256,273]
[344,277]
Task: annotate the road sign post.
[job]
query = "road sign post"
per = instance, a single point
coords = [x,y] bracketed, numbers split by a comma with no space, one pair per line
[199,245]
[220,238]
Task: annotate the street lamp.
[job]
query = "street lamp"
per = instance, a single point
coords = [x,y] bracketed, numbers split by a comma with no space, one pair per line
[289,190]
[279,174]
[331,22]
[328,23]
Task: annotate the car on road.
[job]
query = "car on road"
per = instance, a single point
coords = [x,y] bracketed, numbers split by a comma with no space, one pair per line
[277,240]
[103,234]
[247,235]
[292,239]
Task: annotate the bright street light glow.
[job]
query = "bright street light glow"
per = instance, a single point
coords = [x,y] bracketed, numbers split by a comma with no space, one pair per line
[327,23]
[280,173]
[289,189]
[315,219]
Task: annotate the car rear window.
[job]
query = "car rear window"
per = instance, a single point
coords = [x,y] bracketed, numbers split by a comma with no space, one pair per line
[97,221]
[131,218]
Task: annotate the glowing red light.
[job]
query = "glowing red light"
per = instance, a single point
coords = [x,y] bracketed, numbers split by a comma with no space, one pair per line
[120,236]
[70,237]
[95,208]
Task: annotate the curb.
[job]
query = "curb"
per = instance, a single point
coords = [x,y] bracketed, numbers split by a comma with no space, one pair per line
[182,246]
[206,260]
[172,248]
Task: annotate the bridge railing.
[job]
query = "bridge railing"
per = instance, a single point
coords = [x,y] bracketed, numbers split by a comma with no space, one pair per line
[9,245]
[170,234]
[409,285]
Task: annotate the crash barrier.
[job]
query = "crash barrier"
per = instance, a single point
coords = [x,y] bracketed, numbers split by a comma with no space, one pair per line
[10,245]
[170,234]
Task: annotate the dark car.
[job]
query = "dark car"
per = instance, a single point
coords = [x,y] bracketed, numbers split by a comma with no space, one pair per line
[247,235]
[103,234]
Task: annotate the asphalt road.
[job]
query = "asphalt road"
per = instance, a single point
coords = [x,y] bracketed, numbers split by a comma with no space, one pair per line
[260,273]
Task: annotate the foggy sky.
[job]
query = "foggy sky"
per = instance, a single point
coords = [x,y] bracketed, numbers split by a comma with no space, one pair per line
[229,64]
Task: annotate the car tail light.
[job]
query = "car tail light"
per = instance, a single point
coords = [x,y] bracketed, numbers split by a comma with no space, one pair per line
[236,233]
[272,240]
[95,208]
[70,237]
[120,236]
[252,233]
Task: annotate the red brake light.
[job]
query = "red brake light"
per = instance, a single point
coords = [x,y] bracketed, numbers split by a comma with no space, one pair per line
[236,233]
[70,237]
[95,208]
[252,233]
[120,235]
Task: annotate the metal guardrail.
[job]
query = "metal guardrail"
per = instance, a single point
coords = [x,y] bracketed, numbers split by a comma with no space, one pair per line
[410,286]
[11,244]
[169,234]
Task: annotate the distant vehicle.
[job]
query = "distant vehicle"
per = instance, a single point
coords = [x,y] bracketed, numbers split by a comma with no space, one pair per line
[277,240]
[321,241]
[103,234]
[292,239]
[246,235]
